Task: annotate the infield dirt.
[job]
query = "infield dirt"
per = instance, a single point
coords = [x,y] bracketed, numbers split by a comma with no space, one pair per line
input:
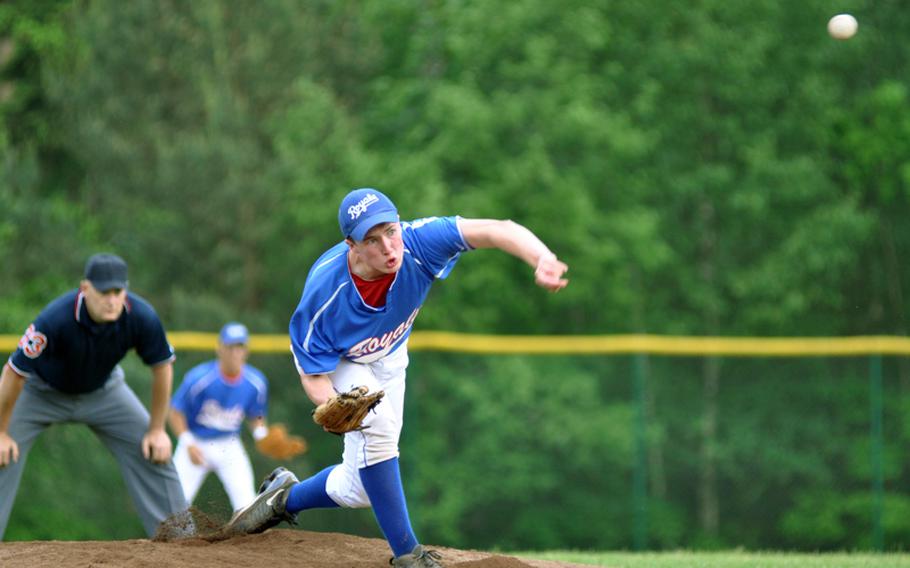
[275,548]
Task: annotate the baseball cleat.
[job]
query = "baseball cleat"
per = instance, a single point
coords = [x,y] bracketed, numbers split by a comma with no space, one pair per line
[420,557]
[268,508]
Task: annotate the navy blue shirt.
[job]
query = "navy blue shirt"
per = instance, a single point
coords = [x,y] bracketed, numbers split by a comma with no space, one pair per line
[73,354]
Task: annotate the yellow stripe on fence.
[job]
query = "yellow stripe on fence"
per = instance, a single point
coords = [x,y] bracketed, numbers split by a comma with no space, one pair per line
[585,344]
[199,341]
[660,345]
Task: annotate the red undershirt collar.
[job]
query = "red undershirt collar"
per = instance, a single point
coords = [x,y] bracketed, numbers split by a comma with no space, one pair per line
[374,292]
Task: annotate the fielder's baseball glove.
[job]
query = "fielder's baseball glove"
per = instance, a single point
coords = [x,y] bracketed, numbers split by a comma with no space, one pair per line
[278,445]
[345,412]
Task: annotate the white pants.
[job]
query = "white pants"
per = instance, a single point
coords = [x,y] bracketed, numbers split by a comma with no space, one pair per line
[378,442]
[230,462]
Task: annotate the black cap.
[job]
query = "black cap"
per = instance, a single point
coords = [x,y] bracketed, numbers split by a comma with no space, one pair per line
[106,271]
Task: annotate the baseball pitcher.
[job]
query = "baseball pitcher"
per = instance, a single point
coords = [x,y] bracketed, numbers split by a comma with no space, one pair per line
[349,338]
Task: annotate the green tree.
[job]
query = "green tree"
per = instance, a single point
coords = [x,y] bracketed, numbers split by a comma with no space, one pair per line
[723,169]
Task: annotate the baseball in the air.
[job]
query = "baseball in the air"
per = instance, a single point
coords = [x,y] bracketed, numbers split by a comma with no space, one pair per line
[842,26]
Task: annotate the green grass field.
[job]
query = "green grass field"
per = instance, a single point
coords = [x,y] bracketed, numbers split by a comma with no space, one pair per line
[724,559]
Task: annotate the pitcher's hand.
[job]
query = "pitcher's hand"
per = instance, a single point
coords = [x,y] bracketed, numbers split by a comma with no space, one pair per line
[548,273]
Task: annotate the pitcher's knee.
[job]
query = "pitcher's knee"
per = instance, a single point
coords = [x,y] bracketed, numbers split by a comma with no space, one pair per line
[381,439]
[380,451]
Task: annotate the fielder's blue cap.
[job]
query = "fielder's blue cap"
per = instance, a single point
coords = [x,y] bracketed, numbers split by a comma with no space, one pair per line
[363,209]
[234,333]
[106,271]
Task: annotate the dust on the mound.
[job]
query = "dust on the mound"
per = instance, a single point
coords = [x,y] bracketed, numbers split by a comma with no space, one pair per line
[275,547]
[191,524]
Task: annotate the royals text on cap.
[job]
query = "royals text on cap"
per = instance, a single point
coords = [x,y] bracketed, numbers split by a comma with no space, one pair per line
[363,209]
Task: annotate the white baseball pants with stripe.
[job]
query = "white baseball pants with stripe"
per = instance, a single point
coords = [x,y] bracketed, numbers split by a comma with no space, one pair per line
[378,442]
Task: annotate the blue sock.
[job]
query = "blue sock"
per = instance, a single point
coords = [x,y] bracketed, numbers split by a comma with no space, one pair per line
[382,482]
[310,493]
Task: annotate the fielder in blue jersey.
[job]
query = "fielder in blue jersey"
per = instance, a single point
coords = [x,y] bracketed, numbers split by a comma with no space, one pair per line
[351,328]
[208,412]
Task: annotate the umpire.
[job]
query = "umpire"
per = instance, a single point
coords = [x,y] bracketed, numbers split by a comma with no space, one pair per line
[66,369]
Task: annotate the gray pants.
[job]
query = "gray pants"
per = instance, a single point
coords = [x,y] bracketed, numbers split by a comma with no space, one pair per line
[118,418]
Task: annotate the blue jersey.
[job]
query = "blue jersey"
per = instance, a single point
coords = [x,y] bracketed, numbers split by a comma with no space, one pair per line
[74,354]
[332,320]
[215,407]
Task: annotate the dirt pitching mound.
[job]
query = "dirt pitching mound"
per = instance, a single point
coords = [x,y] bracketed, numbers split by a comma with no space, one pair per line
[271,549]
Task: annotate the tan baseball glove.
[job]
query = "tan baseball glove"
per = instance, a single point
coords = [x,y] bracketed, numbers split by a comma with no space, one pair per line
[278,445]
[345,412]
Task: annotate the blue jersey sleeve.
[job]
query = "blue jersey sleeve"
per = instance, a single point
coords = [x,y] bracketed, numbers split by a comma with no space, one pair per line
[436,243]
[313,354]
[181,399]
[257,406]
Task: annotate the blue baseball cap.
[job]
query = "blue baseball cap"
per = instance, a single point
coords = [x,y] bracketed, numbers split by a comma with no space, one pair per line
[234,333]
[363,209]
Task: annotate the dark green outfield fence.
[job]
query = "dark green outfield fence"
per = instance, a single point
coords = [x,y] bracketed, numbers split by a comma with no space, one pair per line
[599,442]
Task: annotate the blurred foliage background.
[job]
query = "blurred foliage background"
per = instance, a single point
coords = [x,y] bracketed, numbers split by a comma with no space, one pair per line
[705,168]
